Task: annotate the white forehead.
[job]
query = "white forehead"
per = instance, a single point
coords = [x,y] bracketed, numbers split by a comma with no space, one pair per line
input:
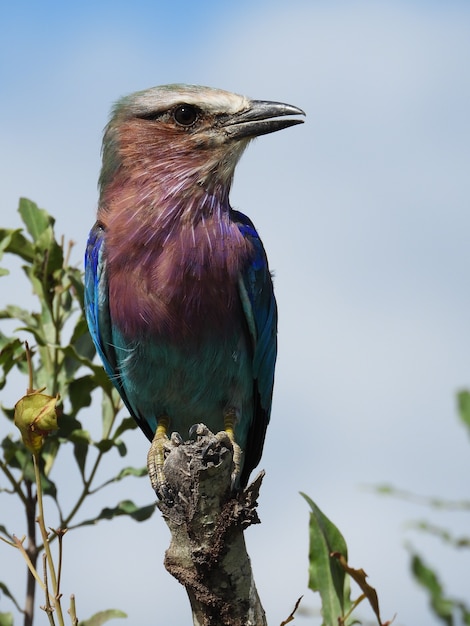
[159,99]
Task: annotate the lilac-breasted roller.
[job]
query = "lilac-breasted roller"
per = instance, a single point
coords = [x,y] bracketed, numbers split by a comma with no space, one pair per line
[179,297]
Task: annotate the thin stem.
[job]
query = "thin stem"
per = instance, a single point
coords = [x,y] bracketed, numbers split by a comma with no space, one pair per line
[48,608]
[68,251]
[60,535]
[73,611]
[19,544]
[342,620]
[45,536]
[57,327]
[30,368]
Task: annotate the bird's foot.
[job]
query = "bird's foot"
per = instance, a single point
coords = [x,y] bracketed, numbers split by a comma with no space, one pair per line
[160,447]
[230,418]
[228,439]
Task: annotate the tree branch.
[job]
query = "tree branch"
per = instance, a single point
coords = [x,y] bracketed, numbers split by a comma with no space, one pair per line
[207,553]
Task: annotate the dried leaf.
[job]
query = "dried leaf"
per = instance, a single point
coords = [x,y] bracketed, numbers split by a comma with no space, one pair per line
[359,576]
[291,616]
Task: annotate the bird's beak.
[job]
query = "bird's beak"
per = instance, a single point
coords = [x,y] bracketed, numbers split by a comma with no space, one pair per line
[261,118]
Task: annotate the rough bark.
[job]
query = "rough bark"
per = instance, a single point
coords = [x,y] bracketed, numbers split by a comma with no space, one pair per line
[207,553]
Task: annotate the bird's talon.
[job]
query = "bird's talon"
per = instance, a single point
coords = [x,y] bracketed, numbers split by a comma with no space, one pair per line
[159,448]
[199,430]
[225,437]
[175,440]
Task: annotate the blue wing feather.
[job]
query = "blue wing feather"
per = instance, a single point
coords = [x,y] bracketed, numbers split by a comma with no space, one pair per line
[96,296]
[259,305]
[97,315]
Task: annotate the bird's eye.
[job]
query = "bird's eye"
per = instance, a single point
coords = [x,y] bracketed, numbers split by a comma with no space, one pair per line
[185,114]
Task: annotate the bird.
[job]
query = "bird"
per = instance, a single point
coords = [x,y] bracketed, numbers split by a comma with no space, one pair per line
[179,297]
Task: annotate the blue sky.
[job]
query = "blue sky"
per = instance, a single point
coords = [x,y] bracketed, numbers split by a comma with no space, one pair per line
[364,212]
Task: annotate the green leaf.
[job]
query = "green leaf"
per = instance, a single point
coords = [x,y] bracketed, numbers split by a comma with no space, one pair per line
[108,411]
[80,391]
[3,528]
[6,236]
[433,502]
[8,594]
[11,354]
[442,607]
[14,242]
[75,277]
[465,611]
[325,573]
[67,425]
[35,219]
[121,447]
[9,344]
[126,471]
[39,336]
[51,265]
[102,617]
[6,619]
[82,341]
[48,487]
[104,445]
[81,443]
[18,457]
[49,452]
[80,436]
[131,471]
[100,376]
[444,534]
[12,312]
[9,413]
[37,284]
[463,402]
[127,508]
[128,423]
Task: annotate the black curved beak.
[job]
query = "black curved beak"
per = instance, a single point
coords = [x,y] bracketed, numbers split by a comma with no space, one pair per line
[261,118]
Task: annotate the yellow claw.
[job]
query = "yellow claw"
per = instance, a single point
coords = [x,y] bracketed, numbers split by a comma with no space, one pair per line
[156,455]
[230,417]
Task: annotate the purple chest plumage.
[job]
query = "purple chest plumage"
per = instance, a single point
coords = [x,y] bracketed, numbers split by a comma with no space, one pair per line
[176,279]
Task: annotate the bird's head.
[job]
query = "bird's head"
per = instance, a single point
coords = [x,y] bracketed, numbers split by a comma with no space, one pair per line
[182,138]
